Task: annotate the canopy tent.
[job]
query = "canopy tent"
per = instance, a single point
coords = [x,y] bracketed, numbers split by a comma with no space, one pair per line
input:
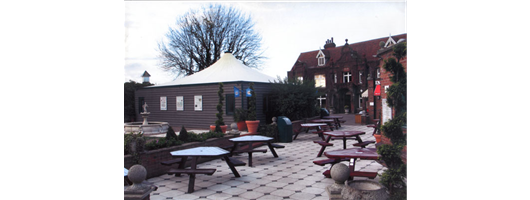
[226,69]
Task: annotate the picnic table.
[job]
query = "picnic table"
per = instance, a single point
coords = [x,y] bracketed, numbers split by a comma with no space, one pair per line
[353,154]
[307,126]
[342,134]
[251,139]
[336,118]
[327,121]
[194,154]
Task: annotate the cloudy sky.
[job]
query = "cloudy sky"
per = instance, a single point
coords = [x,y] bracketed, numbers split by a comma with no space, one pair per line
[287,29]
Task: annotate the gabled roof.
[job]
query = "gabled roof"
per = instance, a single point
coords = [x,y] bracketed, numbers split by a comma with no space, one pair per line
[146,74]
[367,48]
[226,69]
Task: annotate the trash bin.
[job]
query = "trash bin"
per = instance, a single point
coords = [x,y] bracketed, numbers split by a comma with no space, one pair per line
[323,112]
[285,129]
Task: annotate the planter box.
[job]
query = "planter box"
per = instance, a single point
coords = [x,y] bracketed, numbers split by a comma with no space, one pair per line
[151,159]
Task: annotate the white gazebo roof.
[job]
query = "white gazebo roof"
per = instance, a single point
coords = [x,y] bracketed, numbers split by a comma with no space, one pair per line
[226,69]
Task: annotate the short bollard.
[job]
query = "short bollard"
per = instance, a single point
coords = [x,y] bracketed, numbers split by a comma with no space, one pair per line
[139,190]
[339,173]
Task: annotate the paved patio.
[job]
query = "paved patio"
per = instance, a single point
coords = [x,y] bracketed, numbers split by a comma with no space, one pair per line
[290,176]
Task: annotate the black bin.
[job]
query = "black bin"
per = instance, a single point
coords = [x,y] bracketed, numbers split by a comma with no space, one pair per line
[285,129]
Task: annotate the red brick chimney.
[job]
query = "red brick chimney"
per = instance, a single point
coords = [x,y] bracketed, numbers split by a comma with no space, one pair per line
[329,44]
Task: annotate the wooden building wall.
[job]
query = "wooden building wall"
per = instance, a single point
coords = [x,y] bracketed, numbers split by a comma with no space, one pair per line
[190,118]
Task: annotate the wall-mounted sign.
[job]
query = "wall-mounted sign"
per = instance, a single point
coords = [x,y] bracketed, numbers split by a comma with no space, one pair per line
[377,82]
[163,103]
[371,103]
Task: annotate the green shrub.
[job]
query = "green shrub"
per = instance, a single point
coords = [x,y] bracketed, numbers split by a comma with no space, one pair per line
[171,134]
[162,143]
[294,99]
[269,130]
[251,116]
[183,134]
[220,108]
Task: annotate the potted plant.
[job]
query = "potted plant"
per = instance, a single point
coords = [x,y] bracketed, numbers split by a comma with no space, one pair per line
[346,109]
[219,123]
[240,115]
[377,133]
[252,122]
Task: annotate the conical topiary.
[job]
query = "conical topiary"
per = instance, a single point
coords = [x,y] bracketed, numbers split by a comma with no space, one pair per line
[183,135]
[171,134]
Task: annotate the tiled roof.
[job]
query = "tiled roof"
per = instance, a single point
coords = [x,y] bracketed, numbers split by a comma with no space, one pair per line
[364,49]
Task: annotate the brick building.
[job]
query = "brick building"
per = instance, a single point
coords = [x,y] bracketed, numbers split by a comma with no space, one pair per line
[347,75]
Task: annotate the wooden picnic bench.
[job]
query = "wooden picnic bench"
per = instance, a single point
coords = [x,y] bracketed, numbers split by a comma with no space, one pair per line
[195,153]
[253,139]
[353,154]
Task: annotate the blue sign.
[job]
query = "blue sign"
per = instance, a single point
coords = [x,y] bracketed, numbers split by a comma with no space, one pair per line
[237,93]
[248,92]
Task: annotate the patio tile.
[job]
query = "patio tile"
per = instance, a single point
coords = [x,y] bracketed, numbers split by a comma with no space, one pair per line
[283,193]
[251,195]
[292,173]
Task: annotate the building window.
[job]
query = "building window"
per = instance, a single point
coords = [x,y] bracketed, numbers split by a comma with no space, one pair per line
[320,80]
[321,61]
[300,78]
[198,102]
[378,73]
[346,77]
[163,103]
[360,101]
[180,103]
[360,77]
[230,104]
[321,58]
[335,77]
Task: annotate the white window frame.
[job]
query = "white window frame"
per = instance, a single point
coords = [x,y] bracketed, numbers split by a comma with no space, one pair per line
[180,103]
[335,77]
[346,77]
[198,102]
[378,73]
[360,77]
[300,78]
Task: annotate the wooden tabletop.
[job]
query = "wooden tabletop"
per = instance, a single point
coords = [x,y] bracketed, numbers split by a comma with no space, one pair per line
[362,153]
[322,120]
[200,151]
[251,138]
[312,124]
[333,117]
[344,133]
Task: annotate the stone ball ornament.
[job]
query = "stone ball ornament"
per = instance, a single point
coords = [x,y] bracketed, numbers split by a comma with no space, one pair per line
[340,173]
[137,174]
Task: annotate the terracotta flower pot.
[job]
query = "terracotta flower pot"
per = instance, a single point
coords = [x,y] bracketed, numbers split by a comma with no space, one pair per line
[377,138]
[252,127]
[241,126]
[223,128]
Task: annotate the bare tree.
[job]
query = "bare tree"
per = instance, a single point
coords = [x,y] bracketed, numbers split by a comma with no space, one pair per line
[201,36]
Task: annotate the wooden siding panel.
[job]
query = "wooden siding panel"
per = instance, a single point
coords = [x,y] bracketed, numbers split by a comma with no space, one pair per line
[190,118]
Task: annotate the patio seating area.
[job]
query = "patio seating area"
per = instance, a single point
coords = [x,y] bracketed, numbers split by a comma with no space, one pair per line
[291,175]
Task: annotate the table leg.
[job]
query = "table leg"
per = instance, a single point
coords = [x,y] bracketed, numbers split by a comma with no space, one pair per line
[191,185]
[182,164]
[323,147]
[250,159]
[272,149]
[233,148]
[297,132]
[320,133]
[344,142]
[352,167]
[232,167]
